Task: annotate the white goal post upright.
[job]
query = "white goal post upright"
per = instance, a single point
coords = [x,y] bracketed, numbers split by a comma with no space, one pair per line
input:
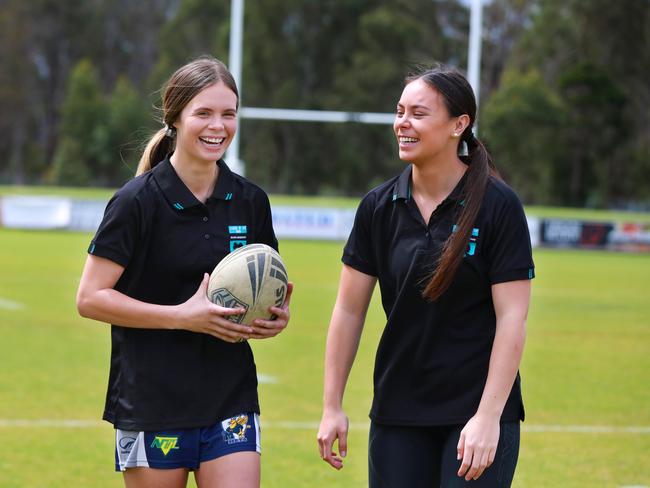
[474,50]
[235,66]
[235,47]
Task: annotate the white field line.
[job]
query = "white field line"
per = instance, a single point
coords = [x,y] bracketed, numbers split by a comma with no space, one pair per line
[10,304]
[292,425]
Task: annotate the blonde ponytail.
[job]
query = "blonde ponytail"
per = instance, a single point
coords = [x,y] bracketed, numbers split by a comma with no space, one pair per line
[155,151]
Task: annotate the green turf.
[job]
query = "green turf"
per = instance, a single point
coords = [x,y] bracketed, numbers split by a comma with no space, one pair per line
[587,362]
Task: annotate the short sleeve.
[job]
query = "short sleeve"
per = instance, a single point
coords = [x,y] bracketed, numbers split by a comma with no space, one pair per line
[358,251]
[117,235]
[509,252]
[265,233]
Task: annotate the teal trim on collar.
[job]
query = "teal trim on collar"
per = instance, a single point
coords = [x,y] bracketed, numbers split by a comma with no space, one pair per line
[402,187]
[225,187]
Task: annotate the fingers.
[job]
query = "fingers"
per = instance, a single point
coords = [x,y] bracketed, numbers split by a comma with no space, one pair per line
[325,443]
[227,312]
[475,461]
[264,329]
[203,287]
[466,462]
[327,435]
[229,335]
[228,330]
[287,299]
[343,442]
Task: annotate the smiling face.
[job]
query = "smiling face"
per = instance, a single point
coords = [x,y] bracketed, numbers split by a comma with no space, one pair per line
[423,126]
[206,125]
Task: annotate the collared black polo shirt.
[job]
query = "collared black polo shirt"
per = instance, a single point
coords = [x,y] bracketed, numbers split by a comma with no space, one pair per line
[433,357]
[166,240]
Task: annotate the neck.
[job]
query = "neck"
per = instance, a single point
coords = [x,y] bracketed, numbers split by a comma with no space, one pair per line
[435,180]
[199,176]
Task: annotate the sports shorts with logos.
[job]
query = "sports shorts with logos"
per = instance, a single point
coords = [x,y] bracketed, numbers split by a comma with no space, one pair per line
[186,448]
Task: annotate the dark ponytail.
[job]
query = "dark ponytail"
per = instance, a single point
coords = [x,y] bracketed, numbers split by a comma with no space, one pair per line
[459,99]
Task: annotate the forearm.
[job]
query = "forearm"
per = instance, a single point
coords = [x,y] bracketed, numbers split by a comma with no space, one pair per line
[342,344]
[506,355]
[111,306]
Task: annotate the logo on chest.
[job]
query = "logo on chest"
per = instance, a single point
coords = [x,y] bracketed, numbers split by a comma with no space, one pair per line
[473,240]
[238,236]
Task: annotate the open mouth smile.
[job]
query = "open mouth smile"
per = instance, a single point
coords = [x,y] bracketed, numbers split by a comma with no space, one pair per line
[213,141]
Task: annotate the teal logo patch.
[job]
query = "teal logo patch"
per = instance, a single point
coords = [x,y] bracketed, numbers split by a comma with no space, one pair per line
[238,237]
[473,239]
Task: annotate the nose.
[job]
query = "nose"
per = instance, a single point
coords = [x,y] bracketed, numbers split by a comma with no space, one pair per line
[216,122]
[402,121]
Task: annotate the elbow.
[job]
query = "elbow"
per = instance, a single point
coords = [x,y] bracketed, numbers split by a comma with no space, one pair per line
[84,307]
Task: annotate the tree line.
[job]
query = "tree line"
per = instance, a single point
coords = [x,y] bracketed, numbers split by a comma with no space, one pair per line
[564,88]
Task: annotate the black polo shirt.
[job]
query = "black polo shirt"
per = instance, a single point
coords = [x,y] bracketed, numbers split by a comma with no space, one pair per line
[166,240]
[432,360]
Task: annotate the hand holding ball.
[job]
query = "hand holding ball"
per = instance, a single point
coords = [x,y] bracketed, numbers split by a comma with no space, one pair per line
[252,277]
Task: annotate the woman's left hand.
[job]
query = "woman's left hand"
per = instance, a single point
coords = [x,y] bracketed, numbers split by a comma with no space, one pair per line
[264,329]
[478,445]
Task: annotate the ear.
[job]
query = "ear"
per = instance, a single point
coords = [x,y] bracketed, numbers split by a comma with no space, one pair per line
[460,124]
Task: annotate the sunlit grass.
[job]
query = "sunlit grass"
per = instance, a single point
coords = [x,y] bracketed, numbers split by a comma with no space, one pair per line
[587,362]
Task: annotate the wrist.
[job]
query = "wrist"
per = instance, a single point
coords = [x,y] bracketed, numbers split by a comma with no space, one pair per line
[332,405]
[175,319]
[489,413]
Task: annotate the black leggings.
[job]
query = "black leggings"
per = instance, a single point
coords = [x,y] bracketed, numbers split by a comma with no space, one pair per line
[414,457]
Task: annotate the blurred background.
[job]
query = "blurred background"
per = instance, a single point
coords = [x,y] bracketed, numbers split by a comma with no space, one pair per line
[564,88]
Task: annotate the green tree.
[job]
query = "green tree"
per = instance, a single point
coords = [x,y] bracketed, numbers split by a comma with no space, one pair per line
[77,158]
[346,56]
[523,124]
[596,132]
[596,55]
[120,137]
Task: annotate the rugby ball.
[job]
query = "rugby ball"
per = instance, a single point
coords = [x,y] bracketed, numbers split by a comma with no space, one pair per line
[252,277]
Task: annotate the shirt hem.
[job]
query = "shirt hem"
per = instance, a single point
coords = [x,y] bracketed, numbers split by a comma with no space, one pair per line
[148,426]
[427,423]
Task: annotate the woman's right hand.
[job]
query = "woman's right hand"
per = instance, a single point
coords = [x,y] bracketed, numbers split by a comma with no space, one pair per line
[334,425]
[199,314]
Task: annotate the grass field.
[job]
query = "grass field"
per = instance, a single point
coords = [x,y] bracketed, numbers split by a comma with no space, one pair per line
[586,364]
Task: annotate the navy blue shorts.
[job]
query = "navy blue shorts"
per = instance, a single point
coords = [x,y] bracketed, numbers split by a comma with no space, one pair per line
[186,448]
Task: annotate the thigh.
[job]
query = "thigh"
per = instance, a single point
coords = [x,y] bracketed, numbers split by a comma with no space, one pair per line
[230,453]
[237,470]
[155,478]
[498,475]
[403,456]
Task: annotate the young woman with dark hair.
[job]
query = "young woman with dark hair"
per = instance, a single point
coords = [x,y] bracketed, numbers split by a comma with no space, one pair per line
[182,390]
[448,243]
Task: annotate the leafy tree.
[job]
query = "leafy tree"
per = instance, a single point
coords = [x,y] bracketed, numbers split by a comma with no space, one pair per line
[76,160]
[120,138]
[347,56]
[595,55]
[596,133]
[524,125]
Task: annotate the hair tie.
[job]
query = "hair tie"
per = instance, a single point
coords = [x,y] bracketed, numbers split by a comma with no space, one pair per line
[170,131]
[470,140]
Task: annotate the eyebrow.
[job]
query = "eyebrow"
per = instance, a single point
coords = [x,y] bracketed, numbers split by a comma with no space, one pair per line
[415,107]
[199,109]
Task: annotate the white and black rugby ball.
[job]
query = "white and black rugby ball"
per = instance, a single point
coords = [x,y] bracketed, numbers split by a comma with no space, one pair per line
[252,277]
